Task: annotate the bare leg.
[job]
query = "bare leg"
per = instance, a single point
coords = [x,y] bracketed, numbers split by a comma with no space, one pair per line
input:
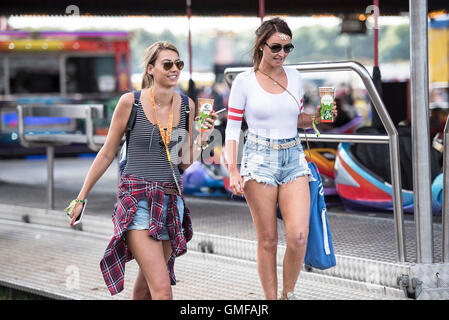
[262,204]
[167,249]
[149,254]
[294,202]
[141,291]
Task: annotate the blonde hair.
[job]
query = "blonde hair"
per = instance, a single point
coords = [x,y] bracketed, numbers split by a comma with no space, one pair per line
[151,54]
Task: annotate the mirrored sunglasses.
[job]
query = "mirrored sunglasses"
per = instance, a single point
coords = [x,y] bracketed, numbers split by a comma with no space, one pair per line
[168,64]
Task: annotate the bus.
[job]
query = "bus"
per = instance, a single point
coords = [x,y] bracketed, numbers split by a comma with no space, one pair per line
[52,67]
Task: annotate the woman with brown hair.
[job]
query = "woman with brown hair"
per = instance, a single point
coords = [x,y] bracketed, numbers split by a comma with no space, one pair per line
[151,222]
[274,170]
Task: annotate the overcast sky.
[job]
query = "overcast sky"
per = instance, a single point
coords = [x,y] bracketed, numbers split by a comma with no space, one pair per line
[177,25]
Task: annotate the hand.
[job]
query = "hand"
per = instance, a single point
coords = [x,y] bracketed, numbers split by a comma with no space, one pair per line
[236,182]
[334,111]
[209,123]
[76,211]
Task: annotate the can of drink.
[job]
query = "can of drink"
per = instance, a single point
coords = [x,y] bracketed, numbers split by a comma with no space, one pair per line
[327,95]
[205,107]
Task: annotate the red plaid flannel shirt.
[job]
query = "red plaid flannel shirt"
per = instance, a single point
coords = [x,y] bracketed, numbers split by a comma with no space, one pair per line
[131,191]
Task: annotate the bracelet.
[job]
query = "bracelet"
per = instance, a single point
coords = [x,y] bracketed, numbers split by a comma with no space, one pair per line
[314,123]
[72,204]
[314,120]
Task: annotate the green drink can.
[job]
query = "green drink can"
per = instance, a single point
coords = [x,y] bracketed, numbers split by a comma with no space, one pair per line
[205,107]
[327,95]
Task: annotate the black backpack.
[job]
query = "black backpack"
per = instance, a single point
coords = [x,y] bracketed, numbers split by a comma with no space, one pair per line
[132,121]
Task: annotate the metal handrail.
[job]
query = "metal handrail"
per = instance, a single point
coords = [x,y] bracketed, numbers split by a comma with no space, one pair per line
[392,134]
[445,206]
[347,138]
[85,111]
[81,111]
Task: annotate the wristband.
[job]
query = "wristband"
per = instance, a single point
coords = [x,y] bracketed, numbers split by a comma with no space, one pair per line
[72,204]
[314,123]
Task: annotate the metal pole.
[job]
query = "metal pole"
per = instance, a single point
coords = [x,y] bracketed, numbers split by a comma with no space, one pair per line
[420,130]
[261,10]
[90,130]
[377,78]
[445,207]
[376,33]
[189,36]
[50,180]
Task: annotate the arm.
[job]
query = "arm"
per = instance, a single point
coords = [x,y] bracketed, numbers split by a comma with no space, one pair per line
[237,100]
[107,153]
[305,119]
[236,181]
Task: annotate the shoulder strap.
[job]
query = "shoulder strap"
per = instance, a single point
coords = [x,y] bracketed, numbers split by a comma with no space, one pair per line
[189,116]
[132,117]
[185,100]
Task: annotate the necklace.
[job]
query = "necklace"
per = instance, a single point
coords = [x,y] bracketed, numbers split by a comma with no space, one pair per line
[166,136]
[274,81]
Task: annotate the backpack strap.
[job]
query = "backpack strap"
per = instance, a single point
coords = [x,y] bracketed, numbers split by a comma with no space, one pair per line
[189,117]
[132,117]
[185,100]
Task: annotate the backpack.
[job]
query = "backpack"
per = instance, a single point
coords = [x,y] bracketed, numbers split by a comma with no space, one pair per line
[132,120]
[320,251]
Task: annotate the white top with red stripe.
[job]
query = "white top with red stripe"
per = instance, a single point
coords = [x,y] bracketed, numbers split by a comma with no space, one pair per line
[269,115]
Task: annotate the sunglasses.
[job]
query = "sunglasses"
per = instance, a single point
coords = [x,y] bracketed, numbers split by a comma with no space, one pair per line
[275,48]
[168,64]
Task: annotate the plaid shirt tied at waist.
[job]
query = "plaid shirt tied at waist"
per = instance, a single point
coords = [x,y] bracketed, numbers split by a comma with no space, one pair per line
[131,191]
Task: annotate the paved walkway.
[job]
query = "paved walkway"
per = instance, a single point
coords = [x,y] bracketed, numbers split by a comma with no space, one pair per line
[63,263]
[364,245]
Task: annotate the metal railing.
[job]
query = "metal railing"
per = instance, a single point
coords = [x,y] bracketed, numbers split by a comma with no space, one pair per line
[392,137]
[49,141]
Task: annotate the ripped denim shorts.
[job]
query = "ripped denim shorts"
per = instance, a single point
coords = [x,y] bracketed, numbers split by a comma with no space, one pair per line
[141,218]
[273,167]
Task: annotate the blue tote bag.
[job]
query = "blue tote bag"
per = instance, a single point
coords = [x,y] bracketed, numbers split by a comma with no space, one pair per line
[320,251]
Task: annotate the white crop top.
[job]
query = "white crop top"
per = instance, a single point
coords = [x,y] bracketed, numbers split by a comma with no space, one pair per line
[269,115]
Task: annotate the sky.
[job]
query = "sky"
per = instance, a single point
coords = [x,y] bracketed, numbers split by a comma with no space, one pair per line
[177,25]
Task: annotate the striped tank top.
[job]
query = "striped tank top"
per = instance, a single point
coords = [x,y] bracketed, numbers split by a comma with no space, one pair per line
[147,156]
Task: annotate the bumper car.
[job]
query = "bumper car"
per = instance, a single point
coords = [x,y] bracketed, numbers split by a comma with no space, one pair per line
[204,179]
[363,177]
[324,158]
[437,194]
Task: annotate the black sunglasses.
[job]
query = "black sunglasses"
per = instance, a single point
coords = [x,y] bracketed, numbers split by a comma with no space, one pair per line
[275,48]
[168,64]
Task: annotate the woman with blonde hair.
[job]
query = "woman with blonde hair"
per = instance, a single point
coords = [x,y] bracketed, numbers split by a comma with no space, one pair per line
[273,170]
[151,222]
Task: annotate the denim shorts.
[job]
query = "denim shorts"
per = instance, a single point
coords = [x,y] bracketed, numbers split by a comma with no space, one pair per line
[273,167]
[141,218]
